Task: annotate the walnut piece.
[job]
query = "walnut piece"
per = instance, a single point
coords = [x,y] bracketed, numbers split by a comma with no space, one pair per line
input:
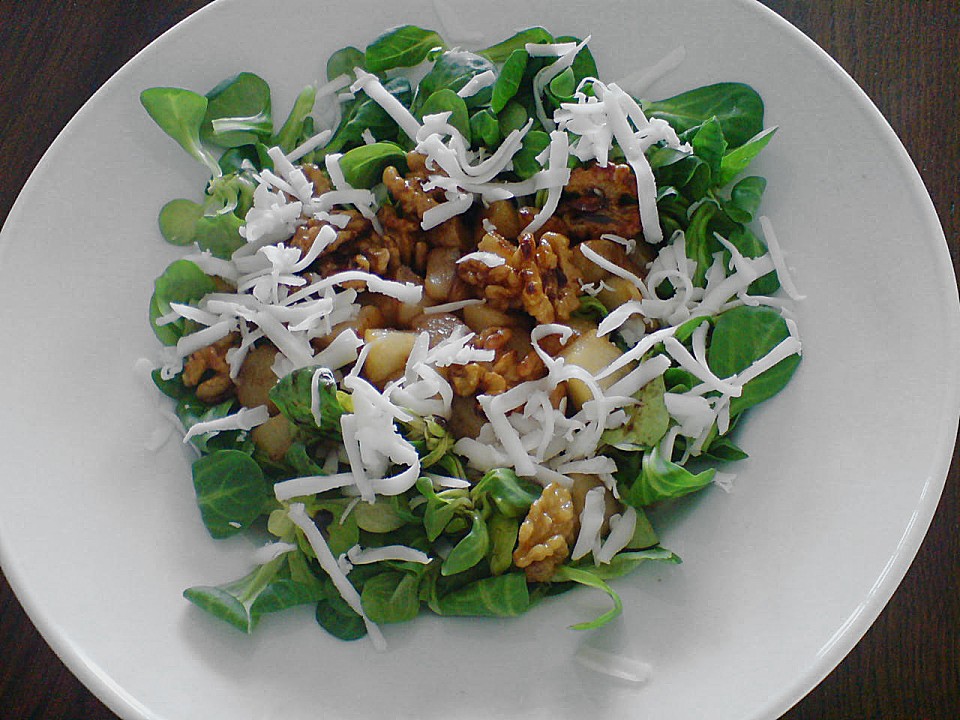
[208,371]
[546,534]
[414,201]
[600,200]
[514,362]
[305,235]
[406,235]
[538,276]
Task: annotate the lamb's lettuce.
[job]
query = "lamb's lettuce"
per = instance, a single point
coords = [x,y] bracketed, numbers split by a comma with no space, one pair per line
[657,478]
[180,113]
[293,396]
[296,127]
[504,595]
[181,282]
[452,71]
[742,336]
[238,112]
[404,46]
[737,108]
[231,491]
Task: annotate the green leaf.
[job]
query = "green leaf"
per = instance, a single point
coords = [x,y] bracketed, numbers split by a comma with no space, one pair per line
[191,411]
[511,494]
[238,112]
[301,461]
[219,234]
[502,50]
[499,596]
[292,396]
[364,113]
[508,81]
[525,163]
[688,174]
[452,71]
[685,330]
[172,388]
[282,594]
[391,597]
[301,573]
[624,563]
[292,131]
[182,282]
[745,199]
[180,113]
[723,449]
[737,107]
[485,129]
[664,156]
[513,117]
[232,159]
[749,245]
[583,576]
[220,604]
[363,166]
[231,491]
[659,479]
[737,160]
[404,46]
[178,221]
[447,100]
[344,61]
[644,536]
[709,145]
[342,533]
[700,242]
[591,309]
[339,619]
[471,549]
[230,193]
[562,87]
[431,438]
[584,66]
[340,530]
[742,336]
[439,513]
[232,601]
[378,517]
[503,532]
[679,380]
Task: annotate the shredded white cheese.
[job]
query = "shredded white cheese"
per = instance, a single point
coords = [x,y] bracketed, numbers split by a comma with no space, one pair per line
[379,94]
[298,515]
[271,551]
[591,519]
[243,419]
[491,260]
[365,556]
[779,262]
[477,83]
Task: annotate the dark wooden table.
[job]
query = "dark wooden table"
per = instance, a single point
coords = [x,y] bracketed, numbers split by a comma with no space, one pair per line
[904,53]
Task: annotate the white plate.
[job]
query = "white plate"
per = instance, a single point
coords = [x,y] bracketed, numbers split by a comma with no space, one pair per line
[781,577]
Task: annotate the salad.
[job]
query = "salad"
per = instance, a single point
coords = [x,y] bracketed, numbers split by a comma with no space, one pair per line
[445,333]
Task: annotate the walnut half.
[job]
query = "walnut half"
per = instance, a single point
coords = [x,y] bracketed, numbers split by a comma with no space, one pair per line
[207,370]
[546,533]
[538,276]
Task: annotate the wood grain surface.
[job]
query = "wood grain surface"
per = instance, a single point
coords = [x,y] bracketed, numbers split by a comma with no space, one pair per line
[904,53]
